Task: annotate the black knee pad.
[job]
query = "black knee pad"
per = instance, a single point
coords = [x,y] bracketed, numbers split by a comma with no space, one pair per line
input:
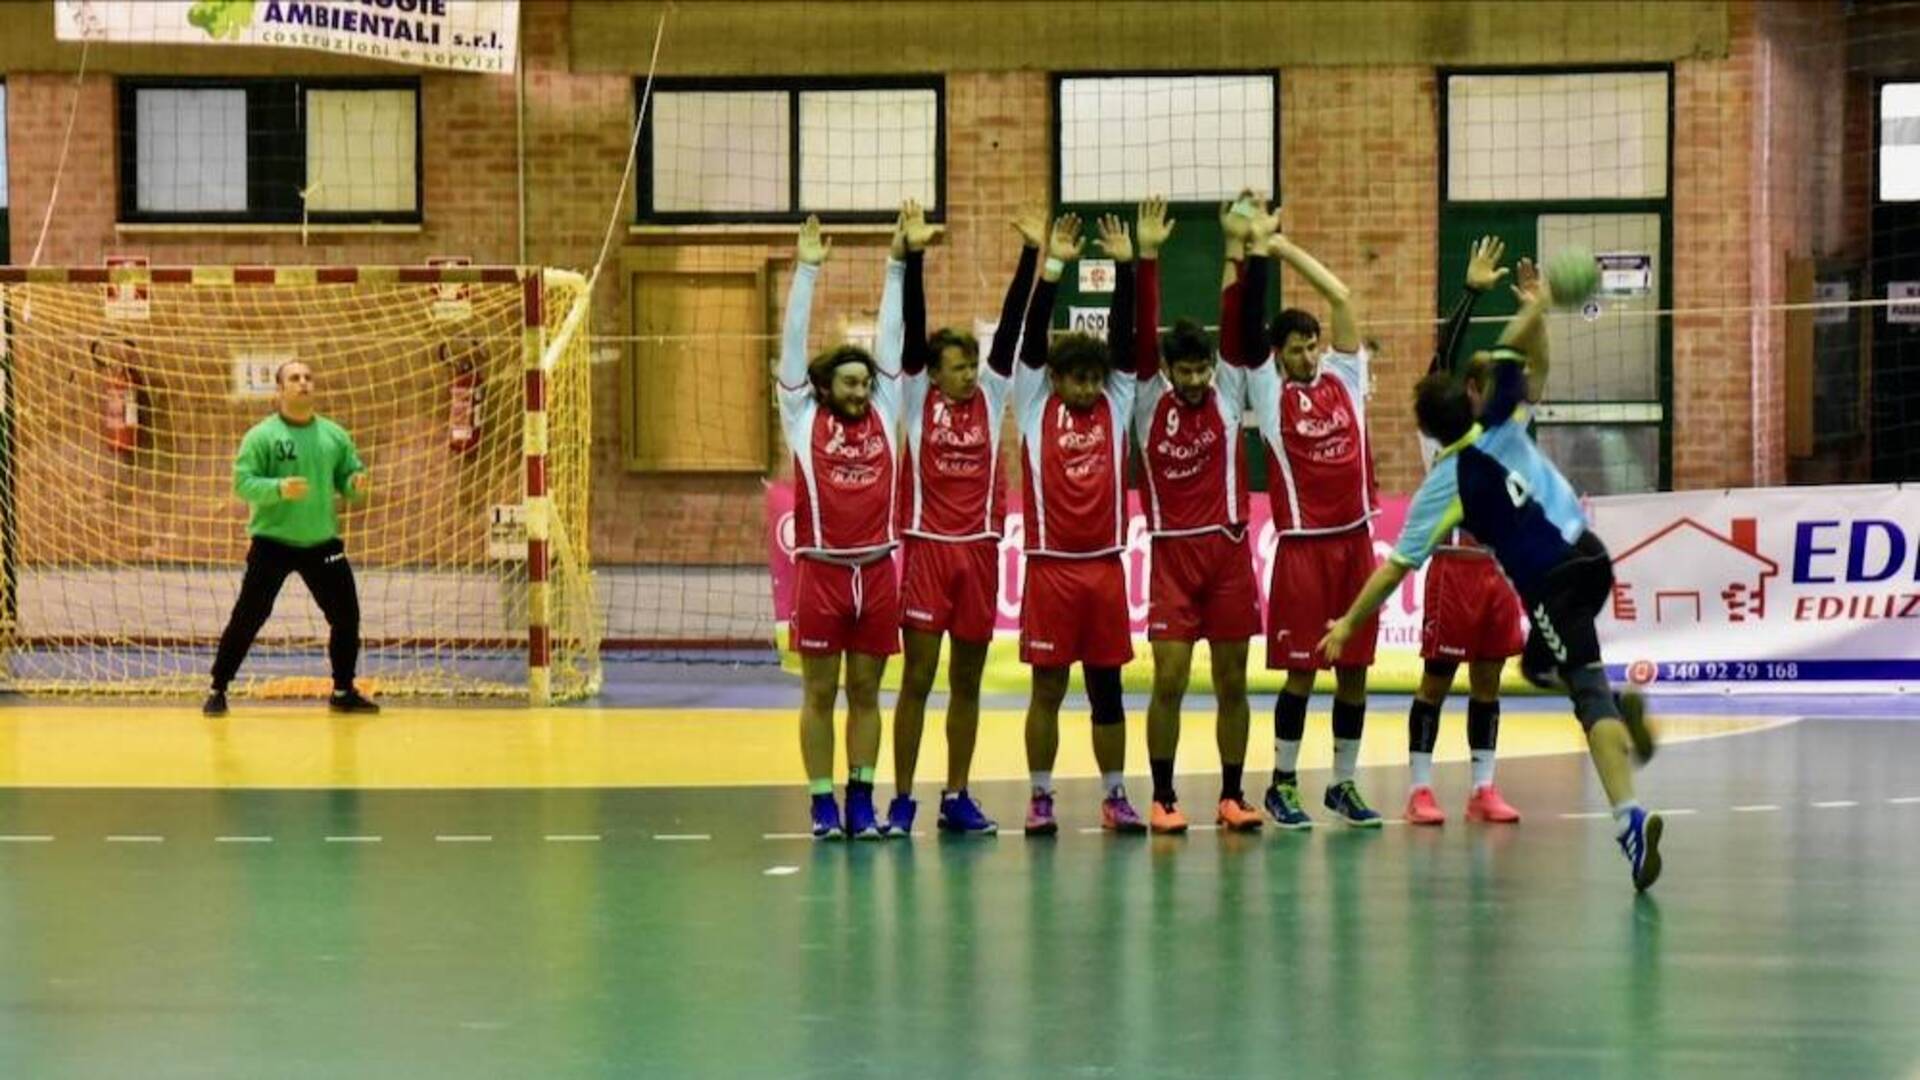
[1103,694]
[1592,696]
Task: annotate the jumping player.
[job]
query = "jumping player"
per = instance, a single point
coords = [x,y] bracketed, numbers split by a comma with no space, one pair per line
[1491,478]
[1186,418]
[1312,415]
[1073,401]
[1470,612]
[839,414]
[289,468]
[952,509]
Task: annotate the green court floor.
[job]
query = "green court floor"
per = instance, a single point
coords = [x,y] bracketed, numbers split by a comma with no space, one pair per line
[666,933]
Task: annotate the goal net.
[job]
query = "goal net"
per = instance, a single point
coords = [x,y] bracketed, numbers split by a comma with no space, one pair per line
[127,392]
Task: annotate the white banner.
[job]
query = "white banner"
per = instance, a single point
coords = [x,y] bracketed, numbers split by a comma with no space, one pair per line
[1814,589]
[460,35]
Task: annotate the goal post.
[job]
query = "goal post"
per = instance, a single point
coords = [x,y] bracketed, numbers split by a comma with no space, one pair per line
[124,394]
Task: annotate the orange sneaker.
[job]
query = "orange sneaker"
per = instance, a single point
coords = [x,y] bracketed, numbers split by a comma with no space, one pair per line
[1423,810]
[1486,805]
[1167,818]
[1236,816]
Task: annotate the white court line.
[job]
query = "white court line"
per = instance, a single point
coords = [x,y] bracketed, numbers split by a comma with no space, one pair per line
[1681,812]
[1594,816]
[23,839]
[457,838]
[126,839]
[1905,800]
[682,836]
[1837,804]
[1096,830]
[573,838]
[1756,808]
[353,839]
[784,836]
[243,839]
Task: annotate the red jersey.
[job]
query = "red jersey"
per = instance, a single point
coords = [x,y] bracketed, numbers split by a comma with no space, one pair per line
[1320,463]
[1194,460]
[952,485]
[1075,467]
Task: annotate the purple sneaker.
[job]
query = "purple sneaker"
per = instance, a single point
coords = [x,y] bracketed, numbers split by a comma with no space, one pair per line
[1118,815]
[1040,815]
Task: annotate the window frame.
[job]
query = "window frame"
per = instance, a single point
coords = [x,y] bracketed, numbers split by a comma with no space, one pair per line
[792,87]
[274,156]
[1057,79]
[1576,413]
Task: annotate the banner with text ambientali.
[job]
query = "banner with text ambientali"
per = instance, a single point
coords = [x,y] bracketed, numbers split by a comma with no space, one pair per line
[458,35]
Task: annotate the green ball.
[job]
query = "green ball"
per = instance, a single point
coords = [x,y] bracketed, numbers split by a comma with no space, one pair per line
[1574,276]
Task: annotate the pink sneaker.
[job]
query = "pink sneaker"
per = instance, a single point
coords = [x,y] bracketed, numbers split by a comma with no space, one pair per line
[1118,815]
[1040,815]
[1422,809]
[1486,805]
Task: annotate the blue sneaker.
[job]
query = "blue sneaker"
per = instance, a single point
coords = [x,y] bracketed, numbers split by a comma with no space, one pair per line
[826,818]
[862,822]
[1640,843]
[900,817]
[1283,806]
[960,814]
[1344,800]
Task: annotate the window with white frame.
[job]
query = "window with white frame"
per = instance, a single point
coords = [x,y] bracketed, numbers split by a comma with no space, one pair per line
[270,150]
[1578,135]
[1191,138]
[780,149]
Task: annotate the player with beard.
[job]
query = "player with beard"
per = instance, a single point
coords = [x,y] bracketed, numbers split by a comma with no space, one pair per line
[1073,402]
[952,509]
[1186,418]
[839,412]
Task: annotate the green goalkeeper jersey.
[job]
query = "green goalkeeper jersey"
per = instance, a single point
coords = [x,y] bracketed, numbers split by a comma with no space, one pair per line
[277,448]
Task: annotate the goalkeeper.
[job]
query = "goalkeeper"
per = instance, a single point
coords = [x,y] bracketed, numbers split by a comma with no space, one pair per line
[288,470]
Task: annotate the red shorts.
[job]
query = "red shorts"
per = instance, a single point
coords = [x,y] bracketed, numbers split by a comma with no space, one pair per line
[951,587]
[839,608]
[1202,588]
[1315,579]
[1470,611]
[1075,611]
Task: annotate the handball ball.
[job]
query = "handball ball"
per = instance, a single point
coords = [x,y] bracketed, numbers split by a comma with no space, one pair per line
[1574,275]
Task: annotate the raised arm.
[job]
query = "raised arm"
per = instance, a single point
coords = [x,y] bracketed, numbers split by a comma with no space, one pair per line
[810,250]
[914,235]
[1346,329]
[1483,273]
[1520,359]
[1116,240]
[1032,226]
[1063,246]
[1152,229]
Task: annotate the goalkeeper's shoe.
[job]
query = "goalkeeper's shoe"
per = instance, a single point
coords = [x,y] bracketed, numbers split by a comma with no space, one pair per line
[900,814]
[215,705]
[351,701]
[862,822]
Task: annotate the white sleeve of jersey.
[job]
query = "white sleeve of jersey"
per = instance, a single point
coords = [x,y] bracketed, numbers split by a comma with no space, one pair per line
[1146,398]
[1263,398]
[1030,390]
[1352,369]
[795,390]
[1122,388]
[890,341]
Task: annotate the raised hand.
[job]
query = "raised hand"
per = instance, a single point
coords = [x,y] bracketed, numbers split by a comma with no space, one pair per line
[1234,225]
[1115,239]
[812,248]
[1066,243]
[1483,264]
[1528,284]
[1264,227]
[1031,224]
[1153,227]
[914,228]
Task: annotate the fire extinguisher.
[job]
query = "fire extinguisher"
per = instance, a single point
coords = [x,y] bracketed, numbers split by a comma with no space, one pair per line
[463,404]
[119,400]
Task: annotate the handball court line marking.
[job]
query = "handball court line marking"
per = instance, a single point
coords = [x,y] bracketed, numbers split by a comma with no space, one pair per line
[682,836]
[459,838]
[1836,804]
[24,839]
[573,838]
[1755,808]
[123,838]
[353,839]
[1905,800]
[243,839]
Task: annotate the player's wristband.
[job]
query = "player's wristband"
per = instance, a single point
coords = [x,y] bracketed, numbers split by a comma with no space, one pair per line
[1055,266]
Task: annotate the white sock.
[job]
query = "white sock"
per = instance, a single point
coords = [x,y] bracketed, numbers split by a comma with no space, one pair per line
[1623,812]
[1042,782]
[1420,764]
[1286,755]
[1346,755]
[1114,783]
[1482,768]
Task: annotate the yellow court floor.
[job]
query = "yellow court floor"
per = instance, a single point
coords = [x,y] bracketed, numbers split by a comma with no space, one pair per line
[173,746]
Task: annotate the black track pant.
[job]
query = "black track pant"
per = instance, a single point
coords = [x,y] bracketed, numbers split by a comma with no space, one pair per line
[329,578]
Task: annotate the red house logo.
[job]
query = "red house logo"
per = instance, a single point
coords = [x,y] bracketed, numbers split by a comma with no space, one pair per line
[1686,572]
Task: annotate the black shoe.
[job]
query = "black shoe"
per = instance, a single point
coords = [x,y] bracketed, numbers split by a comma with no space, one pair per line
[350,701]
[215,705]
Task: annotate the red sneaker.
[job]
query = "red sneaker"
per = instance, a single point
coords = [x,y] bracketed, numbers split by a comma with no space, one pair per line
[1422,809]
[1486,805]
[1167,818]
[1235,815]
